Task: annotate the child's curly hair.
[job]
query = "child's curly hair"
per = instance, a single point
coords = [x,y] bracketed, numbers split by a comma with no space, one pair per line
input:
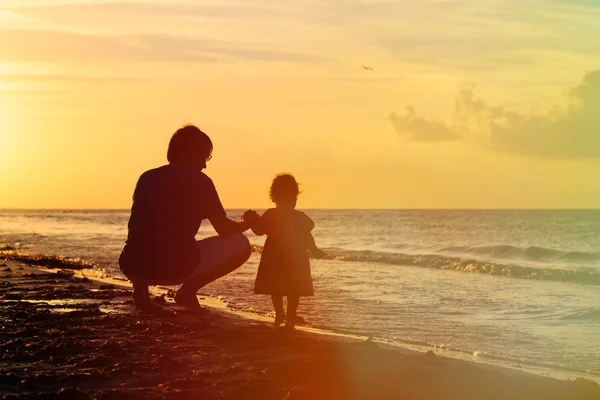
[284,188]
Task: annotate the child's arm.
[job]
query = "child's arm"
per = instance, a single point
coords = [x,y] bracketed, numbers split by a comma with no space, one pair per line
[257,229]
[310,240]
[312,247]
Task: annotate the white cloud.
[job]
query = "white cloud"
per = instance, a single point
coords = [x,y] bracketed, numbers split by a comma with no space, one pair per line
[571,130]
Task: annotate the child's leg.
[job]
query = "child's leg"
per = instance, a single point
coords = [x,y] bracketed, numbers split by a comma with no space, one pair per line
[278,305]
[292,306]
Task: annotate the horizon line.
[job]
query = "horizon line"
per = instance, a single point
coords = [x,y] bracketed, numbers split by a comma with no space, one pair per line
[329,209]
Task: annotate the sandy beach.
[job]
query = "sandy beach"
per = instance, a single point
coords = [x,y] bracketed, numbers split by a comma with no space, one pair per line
[69,337]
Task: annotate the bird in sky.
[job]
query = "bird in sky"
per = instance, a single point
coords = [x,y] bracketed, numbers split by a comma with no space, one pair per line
[367,68]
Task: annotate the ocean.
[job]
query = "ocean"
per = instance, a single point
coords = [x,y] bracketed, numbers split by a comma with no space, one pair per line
[515,287]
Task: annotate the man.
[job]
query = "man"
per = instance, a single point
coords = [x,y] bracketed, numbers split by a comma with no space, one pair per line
[169,204]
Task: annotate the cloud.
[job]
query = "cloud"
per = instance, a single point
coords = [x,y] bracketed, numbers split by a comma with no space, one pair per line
[469,36]
[480,37]
[571,130]
[578,3]
[64,11]
[211,47]
[78,78]
[421,129]
[63,46]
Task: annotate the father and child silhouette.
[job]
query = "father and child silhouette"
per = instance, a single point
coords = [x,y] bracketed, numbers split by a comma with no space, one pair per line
[169,204]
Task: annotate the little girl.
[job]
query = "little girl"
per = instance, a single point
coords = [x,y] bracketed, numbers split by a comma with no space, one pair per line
[284,268]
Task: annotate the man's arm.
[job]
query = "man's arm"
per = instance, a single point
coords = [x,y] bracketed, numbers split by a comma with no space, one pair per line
[226,226]
[257,226]
[257,229]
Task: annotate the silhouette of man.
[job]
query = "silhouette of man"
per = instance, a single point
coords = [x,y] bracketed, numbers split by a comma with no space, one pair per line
[169,204]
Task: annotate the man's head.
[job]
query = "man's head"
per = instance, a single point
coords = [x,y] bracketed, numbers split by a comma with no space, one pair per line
[190,146]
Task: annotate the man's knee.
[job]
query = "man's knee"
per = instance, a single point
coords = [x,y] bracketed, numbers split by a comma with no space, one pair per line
[242,247]
[238,249]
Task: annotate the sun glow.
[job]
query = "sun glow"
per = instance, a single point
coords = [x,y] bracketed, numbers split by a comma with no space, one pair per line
[3,126]
[5,117]
[5,112]
[9,177]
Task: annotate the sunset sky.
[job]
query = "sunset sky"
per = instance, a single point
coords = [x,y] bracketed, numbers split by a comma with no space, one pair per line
[470,103]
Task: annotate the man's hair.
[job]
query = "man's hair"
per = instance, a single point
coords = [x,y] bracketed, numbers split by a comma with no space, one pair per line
[187,144]
[284,187]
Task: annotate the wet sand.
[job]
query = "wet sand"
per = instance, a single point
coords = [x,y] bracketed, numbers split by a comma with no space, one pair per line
[64,336]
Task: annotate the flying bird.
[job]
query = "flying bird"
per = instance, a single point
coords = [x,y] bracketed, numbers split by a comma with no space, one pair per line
[367,68]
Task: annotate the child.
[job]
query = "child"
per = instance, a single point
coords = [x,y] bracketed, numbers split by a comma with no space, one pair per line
[284,268]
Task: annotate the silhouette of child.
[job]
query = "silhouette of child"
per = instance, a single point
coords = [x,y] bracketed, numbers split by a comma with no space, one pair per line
[284,268]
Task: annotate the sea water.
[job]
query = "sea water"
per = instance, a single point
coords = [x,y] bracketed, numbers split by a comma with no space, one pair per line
[519,287]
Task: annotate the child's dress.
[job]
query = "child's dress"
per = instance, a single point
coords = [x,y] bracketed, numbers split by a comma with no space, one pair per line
[284,267]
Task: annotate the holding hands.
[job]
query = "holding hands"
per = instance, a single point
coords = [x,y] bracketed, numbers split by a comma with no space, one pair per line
[251,217]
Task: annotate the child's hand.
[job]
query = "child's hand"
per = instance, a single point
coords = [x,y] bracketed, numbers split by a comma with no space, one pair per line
[318,253]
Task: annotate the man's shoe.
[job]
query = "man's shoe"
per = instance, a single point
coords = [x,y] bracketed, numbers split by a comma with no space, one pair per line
[189,301]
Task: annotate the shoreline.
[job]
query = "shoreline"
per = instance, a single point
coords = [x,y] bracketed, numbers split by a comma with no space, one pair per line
[215,303]
[64,332]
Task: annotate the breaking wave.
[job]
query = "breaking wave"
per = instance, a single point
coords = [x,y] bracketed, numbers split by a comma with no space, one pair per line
[48,261]
[531,253]
[460,264]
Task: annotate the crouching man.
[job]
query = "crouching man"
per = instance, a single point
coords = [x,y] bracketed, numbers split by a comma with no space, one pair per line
[169,204]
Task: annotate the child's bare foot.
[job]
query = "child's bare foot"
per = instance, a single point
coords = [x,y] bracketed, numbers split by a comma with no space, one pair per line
[296,320]
[279,318]
[289,327]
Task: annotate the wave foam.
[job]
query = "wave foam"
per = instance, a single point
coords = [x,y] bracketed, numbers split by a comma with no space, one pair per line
[459,264]
[48,261]
[532,253]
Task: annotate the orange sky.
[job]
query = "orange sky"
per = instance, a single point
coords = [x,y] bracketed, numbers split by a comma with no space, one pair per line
[470,104]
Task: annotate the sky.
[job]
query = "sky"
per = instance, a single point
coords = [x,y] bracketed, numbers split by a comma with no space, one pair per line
[465,104]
